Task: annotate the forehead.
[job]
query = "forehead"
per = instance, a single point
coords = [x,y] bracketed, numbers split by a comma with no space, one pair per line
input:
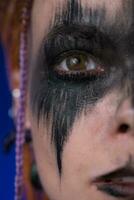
[117,13]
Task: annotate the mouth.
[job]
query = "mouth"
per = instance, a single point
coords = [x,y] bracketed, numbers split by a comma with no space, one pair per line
[119,184]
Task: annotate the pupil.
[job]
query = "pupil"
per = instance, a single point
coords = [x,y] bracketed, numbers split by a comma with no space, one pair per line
[74,61]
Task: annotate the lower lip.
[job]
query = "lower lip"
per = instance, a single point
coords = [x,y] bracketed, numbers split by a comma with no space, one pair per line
[119,190]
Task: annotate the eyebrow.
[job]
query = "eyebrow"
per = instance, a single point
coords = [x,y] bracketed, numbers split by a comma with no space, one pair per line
[74,13]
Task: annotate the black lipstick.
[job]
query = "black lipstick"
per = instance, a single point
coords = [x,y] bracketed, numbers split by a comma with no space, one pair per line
[119,184]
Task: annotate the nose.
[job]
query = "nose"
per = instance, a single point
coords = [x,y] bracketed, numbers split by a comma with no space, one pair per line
[125,118]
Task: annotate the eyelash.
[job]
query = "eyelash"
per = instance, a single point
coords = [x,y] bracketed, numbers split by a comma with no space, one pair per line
[77,77]
[60,48]
[78,74]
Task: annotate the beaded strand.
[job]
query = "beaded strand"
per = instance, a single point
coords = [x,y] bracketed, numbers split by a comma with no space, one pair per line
[23,64]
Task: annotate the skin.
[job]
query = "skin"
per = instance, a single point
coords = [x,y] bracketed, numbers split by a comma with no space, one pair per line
[96,144]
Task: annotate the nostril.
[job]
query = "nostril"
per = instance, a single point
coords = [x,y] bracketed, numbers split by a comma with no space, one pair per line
[123,128]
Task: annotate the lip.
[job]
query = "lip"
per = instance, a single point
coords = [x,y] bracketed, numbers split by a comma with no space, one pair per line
[119,183]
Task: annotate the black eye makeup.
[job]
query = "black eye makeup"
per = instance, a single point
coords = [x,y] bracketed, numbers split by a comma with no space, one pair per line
[79,52]
[79,64]
[74,74]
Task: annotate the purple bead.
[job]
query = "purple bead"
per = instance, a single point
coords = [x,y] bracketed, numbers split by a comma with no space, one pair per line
[20,137]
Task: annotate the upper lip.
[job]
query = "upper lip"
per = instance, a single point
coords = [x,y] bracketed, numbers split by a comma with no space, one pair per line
[116,175]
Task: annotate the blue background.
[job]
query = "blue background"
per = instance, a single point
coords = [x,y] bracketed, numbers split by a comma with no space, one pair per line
[7,160]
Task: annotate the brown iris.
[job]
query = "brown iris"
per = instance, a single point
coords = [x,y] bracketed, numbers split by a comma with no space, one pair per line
[77,62]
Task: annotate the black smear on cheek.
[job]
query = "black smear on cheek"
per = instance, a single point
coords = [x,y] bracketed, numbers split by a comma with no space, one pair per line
[60,101]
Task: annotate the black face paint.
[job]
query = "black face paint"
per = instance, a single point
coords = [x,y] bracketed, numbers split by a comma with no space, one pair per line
[59,99]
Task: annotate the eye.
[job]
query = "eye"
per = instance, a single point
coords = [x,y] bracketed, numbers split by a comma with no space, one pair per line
[78,62]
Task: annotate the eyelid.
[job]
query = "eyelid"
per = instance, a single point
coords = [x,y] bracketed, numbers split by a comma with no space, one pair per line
[62,71]
[84,38]
[60,57]
[60,44]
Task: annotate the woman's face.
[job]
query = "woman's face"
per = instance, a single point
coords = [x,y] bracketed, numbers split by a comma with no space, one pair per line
[82,98]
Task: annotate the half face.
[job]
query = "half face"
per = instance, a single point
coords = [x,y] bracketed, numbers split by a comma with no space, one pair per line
[82,98]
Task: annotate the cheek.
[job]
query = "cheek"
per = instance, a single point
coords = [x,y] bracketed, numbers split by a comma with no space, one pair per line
[46,160]
[90,144]
[84,148]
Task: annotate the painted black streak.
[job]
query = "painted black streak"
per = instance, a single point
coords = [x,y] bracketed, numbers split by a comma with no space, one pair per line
[59,100]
